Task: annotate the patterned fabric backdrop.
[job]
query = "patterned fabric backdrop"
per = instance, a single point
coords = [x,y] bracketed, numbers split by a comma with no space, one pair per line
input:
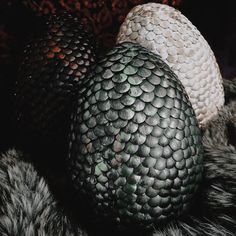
[105,16]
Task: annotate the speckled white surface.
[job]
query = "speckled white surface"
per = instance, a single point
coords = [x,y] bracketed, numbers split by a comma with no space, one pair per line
[165,31]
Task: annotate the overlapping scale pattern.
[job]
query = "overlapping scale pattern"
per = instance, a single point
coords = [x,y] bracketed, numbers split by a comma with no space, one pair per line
[135,146]
[166,32]
[50,72]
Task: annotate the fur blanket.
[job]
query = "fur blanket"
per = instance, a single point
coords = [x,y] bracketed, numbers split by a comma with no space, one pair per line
[29,205]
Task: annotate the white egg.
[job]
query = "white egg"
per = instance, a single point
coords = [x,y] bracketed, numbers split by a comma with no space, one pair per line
[165,31]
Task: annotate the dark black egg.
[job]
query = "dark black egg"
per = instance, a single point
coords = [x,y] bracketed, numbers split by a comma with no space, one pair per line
[52,66]
[135,145]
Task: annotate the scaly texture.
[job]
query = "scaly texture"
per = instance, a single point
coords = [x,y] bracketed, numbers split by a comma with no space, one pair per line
[135,146]
[27,207]
[52,66]
[166,32]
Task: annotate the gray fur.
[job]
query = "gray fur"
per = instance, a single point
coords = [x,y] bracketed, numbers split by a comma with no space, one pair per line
[220,161]
[195,228]
[230,87]
[27,206]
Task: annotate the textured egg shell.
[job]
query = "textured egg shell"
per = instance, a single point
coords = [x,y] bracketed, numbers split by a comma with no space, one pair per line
[166,32]
[135,145]
[53,64]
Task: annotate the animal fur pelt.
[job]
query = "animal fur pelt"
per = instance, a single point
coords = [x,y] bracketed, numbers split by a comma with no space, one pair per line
[28,206]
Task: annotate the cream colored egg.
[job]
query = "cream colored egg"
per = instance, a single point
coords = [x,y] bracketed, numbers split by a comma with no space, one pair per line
[165,31]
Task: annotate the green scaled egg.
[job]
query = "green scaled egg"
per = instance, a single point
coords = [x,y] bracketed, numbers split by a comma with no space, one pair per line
[135,145]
